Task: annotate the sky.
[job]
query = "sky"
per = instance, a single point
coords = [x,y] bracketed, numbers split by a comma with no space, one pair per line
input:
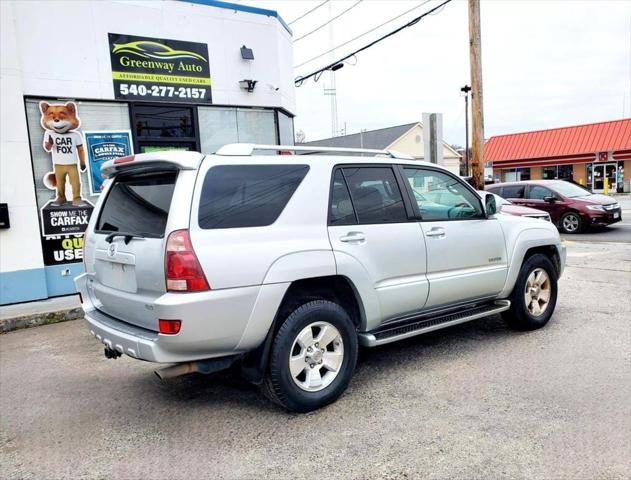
[545,63]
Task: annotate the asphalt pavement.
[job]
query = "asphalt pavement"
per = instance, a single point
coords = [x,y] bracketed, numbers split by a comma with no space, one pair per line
[473,401]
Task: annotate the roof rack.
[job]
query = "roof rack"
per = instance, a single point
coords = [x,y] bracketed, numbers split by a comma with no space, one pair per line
[246,149]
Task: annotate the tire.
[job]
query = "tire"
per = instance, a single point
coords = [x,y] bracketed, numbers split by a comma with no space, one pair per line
[303,392]
[571,223]
[534,314]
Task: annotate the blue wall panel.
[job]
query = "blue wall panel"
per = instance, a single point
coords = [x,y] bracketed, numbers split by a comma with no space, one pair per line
[23,285]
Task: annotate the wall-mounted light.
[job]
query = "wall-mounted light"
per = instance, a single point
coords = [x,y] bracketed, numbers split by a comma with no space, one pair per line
[336,67]
[247,53]
[248,85]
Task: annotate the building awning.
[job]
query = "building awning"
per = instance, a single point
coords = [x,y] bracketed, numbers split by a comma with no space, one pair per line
[576,144]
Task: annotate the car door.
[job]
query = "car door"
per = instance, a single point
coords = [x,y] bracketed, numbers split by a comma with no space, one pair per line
[375,241]
[466,253]
[535,199]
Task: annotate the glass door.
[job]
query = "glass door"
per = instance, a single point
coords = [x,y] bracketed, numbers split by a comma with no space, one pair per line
[605,172]
[164,127]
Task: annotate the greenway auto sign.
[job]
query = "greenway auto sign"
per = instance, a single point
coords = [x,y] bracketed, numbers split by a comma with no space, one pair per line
[154,69]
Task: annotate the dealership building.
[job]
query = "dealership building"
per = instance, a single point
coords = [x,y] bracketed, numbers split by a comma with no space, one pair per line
[596,155]
[85,82]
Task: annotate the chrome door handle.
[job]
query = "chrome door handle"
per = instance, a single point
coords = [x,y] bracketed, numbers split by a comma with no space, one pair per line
[353,237]
[436,232]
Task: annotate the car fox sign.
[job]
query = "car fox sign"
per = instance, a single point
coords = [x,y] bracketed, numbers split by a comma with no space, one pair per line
[155,69]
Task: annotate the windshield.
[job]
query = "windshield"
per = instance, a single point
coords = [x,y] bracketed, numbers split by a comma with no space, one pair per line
[570,190]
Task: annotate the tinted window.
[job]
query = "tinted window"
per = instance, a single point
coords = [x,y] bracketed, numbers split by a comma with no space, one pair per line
[376,195]
[138,204]
[538,193]
[341,210]
[513,191]
[442,197]
[247,195]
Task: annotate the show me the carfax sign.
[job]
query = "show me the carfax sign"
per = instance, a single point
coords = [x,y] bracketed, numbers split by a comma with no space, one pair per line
[153,69]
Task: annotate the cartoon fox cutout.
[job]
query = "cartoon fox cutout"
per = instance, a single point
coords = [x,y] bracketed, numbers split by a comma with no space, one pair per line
[65,143]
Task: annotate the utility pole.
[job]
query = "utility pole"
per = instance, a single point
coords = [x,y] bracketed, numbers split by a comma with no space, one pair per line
[477,114]
[466,89]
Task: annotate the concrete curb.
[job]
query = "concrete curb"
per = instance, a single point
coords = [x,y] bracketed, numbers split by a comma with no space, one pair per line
[37,319]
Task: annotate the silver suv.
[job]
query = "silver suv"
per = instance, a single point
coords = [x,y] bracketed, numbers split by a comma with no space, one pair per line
[283,264]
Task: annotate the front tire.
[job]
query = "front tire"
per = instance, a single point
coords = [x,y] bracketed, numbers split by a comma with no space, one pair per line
[313,357]
[571,222]
[534,296]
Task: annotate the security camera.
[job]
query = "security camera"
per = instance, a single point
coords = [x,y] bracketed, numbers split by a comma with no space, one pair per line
[276,88]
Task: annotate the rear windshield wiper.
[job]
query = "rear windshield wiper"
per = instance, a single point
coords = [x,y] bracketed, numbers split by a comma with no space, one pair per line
[127,236]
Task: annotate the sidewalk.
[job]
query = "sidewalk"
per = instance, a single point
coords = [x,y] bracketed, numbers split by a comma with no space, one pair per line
[43,312]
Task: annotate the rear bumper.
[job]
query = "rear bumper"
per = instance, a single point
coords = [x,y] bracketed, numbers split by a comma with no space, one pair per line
[214,324]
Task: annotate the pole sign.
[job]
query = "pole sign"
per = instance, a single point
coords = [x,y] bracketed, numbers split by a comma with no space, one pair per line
[153,69]
[101,147]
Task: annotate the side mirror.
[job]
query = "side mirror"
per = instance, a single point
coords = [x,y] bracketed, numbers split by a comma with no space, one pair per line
[490,208]
[550,199]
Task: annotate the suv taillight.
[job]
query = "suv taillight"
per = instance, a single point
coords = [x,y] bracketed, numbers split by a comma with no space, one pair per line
[183,271]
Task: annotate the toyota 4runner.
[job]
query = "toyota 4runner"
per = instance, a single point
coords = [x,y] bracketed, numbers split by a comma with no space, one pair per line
[283,264]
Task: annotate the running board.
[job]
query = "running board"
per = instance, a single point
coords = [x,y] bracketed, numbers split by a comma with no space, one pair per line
[424,325]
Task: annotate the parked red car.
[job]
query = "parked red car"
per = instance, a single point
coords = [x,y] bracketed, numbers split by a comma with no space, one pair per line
[571,207]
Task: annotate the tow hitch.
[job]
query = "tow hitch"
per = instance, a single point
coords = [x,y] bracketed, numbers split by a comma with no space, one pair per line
[111,353]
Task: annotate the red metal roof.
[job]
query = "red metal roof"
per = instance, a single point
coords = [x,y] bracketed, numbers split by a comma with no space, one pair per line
[556,142]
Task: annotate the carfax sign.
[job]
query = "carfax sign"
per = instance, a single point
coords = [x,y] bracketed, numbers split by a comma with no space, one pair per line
[101,147]
[153,69]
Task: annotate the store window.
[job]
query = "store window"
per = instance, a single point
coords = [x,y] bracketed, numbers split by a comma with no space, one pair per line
[66,159]
[565,172]
[256,126]
[285,129]
[516,174]
[549,173]
[219,126]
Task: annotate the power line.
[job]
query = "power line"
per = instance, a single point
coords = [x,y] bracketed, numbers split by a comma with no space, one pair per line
[299,80]
[308,12]
[363,34]
[326,23]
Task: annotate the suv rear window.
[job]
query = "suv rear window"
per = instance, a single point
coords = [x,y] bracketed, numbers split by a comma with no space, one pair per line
[235,196]
[138,204]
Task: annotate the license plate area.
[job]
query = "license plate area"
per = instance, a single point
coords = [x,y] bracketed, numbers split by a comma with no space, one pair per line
[616,215]
[116,275]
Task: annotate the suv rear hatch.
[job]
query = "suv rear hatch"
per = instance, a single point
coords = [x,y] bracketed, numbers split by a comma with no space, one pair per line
[128,246]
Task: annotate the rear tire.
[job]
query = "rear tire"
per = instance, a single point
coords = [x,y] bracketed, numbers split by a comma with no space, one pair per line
[571,222]
[534,296]
[313,357]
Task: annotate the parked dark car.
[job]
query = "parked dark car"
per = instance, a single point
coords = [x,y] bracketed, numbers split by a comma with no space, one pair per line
[571,206]
[504,206]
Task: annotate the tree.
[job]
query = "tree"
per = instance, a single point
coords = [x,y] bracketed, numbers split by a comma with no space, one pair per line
[300,136]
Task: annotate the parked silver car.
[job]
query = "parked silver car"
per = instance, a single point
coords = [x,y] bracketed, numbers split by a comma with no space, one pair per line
[284,264]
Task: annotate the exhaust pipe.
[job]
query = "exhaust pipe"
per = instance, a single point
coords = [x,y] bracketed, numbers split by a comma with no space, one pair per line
[200,366]
[176,370]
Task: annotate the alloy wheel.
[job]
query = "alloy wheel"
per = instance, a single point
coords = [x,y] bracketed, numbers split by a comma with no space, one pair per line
[537,292]
[570,223]
[316,356]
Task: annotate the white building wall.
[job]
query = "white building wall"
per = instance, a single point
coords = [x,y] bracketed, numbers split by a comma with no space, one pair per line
[74,61]
[20,247]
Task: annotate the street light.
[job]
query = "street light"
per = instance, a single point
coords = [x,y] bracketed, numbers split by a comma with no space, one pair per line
[466,89]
